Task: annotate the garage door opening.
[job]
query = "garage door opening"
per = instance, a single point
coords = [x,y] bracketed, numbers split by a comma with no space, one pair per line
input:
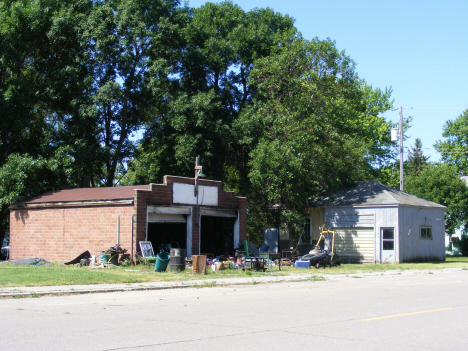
[355,245]
[217,236]
[161,234]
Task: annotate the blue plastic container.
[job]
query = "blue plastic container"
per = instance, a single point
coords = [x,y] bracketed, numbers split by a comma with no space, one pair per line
[302,264]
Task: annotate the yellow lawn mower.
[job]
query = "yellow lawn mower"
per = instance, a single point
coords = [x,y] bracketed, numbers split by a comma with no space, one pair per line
[319,257]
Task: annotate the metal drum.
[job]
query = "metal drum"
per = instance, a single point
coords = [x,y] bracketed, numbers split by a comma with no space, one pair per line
[178,252]
[177,263]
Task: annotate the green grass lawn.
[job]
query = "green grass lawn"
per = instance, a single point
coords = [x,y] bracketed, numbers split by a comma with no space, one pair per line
[450,262]
[13,276]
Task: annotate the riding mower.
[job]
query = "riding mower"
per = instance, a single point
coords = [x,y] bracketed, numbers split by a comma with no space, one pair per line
[322,258]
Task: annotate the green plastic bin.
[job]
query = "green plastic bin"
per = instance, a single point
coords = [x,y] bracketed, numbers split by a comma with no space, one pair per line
[162,260]
[104,258]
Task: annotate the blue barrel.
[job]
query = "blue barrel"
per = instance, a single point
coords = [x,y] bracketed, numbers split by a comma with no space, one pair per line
[162,260]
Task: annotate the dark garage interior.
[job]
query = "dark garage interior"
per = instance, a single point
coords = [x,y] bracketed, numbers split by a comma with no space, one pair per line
[162,234]
[217,236]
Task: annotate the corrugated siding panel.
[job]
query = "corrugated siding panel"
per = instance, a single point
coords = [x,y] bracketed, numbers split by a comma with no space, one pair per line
[412,247]
[347,218]
[355,245]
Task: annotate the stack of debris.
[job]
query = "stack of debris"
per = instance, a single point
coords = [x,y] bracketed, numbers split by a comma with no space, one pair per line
[106,258]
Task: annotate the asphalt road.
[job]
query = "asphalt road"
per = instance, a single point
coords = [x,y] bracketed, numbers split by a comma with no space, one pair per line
[421,311]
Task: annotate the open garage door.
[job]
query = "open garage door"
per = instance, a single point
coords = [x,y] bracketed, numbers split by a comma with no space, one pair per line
[166,225]
[355,245]
[166,218]
[218,232]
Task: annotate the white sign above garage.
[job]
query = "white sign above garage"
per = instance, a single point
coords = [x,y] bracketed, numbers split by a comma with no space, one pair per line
[185,194]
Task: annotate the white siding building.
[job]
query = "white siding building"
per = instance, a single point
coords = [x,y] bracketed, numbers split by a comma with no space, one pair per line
[374,223]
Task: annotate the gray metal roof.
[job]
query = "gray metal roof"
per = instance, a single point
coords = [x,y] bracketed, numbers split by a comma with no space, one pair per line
[372,193]
[88,194]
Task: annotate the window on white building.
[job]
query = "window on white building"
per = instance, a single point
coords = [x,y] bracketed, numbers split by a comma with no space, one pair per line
[426,233]
[388,239]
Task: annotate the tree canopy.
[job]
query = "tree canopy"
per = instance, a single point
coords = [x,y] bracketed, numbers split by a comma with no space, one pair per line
[441,183]
[307,131]
[222,43]
[454,148]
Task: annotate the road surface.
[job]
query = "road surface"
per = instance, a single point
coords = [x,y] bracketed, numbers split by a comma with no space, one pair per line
[418,311]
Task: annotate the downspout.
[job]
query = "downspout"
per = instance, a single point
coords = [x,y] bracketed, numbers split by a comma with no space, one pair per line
[118,230]
[131,241]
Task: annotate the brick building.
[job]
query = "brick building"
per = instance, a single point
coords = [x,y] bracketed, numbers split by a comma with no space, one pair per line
[59,226]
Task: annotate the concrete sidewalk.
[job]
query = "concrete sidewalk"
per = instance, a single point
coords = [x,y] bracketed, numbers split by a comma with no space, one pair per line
[35,291]
[100,288]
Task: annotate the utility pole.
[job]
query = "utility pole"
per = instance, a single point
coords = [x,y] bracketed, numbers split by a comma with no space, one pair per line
[402,182]
[400,136]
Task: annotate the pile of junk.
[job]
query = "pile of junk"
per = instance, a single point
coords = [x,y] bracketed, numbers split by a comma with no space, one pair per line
[108,257]
[173,257]
[247,257]
[170,255]
[319,257]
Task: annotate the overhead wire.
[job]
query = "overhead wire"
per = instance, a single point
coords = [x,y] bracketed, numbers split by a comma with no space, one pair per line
[440,108]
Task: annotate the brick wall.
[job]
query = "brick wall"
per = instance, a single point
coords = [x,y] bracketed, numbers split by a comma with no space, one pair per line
[162,195]
[61,234]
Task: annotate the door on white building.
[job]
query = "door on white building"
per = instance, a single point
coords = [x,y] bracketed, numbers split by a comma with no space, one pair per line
[387,243]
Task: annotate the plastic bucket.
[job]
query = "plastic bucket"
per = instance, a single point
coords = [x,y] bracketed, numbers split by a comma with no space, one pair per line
[104,258]
[162,260]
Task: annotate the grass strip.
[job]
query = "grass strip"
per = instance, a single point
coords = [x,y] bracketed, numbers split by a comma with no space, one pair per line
[16,276]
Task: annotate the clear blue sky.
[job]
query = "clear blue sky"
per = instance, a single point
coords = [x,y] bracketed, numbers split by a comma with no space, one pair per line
[418,47]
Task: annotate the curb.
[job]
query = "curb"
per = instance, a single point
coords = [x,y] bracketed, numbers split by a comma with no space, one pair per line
[18,292]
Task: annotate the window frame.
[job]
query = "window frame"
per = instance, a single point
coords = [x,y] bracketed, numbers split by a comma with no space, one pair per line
[425,228]
[387,240]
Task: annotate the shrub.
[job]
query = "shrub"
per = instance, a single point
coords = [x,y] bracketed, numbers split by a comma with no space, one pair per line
[127,262]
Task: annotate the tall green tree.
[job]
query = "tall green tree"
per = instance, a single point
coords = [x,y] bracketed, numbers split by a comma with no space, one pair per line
[221,44]
[375,130]
[441,183]
[81,77]
[413,166]
[306,132]
[416,159]
[133,47]
[41,70]
[42,76]
[454,148]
